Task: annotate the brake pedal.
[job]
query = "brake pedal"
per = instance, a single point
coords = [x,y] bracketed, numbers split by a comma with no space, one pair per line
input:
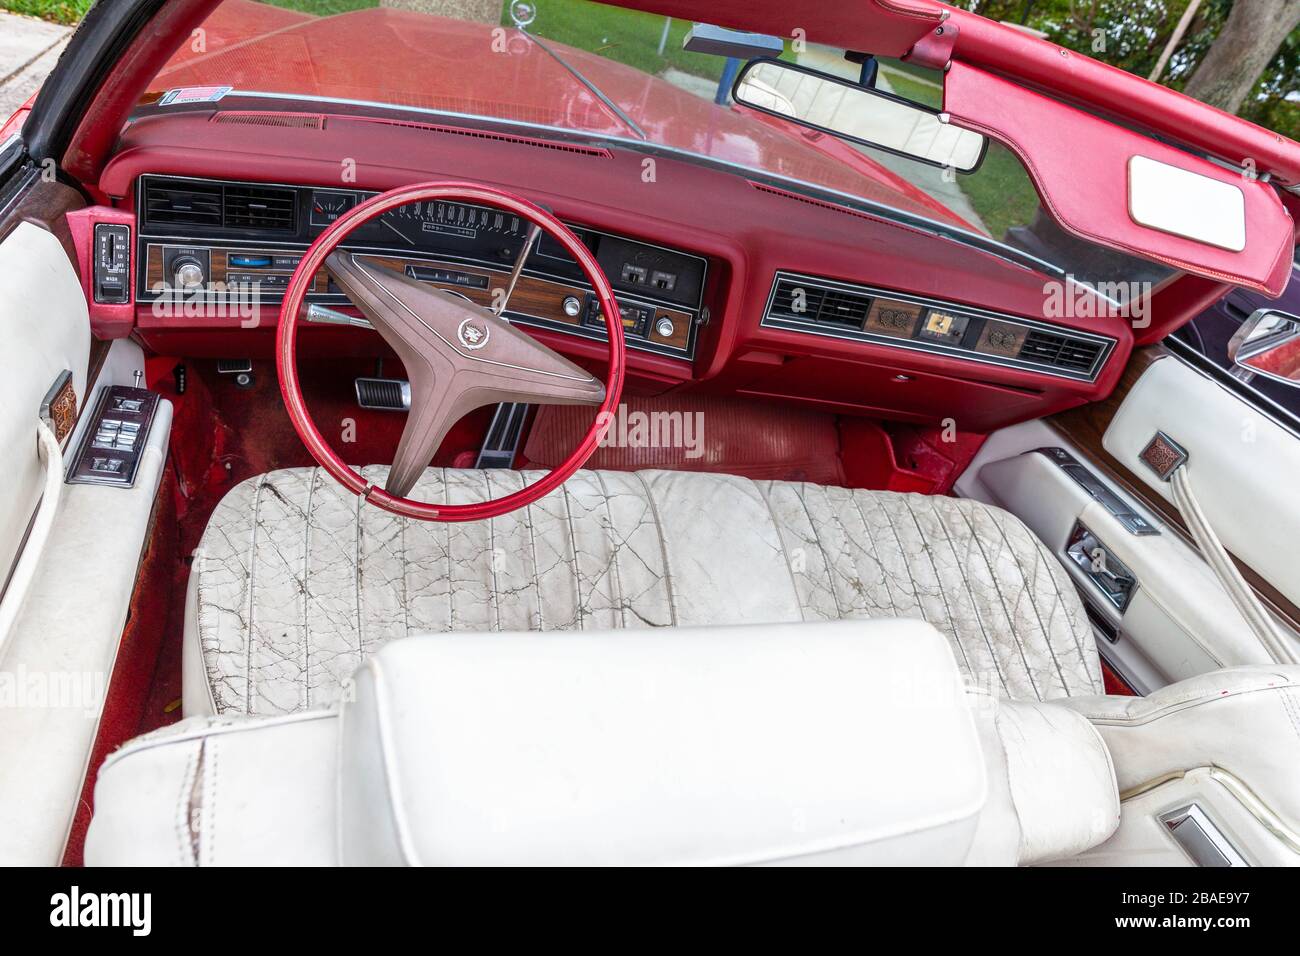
[385,394]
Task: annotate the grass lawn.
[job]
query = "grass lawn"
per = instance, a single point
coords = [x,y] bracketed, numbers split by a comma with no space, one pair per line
[60,11]
[324,8]
[909,89]
[1001,191]
[629,36]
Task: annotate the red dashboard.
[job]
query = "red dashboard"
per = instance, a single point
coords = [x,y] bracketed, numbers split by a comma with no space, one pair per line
[917,327]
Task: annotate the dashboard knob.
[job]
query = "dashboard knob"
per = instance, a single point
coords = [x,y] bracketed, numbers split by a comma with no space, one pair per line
[572,306]
[188,273]
[664,327]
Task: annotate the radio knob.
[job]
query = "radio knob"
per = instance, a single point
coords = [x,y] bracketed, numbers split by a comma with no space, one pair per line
[664,327]
[188,273]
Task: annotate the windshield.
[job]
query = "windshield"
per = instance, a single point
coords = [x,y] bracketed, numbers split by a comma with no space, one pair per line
[610,73]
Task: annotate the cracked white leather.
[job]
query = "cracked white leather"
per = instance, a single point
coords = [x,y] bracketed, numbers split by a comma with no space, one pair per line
[1242,463]
[1061,779]
[743,745]
[1243,720]
[1052,791]
[221,792]
[46,327]
[296,581]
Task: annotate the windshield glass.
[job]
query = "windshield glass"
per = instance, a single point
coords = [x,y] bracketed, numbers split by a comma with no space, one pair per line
[615,74]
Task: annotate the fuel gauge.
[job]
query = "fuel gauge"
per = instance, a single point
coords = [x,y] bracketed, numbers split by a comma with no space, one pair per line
[326,206]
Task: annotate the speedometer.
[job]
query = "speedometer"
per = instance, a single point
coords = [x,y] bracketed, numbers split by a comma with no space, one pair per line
[453,219]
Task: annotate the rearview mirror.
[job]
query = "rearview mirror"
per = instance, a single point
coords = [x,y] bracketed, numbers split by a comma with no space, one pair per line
[1268,344]
[842,108]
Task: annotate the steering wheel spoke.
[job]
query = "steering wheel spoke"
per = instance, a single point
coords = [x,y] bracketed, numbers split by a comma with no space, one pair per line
[458,355]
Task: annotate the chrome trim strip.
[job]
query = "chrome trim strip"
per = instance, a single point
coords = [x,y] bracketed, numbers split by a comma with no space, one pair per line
[915,345]
[1258,809]
[1200,838]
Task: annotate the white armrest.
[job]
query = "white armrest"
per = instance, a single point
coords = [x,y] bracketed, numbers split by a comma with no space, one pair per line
[848,740]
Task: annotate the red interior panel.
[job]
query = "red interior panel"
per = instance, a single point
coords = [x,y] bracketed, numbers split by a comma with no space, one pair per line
[747,233]
[1087,191]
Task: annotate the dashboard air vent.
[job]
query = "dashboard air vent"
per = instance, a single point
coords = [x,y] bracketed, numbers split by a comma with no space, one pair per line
[193,204]
[1060,351]
[260,207]
[805,302]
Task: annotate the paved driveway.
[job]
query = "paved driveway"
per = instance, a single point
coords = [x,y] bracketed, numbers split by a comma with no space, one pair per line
[29,48]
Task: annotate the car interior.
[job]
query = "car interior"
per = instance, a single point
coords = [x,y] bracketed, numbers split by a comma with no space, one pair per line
[544,463]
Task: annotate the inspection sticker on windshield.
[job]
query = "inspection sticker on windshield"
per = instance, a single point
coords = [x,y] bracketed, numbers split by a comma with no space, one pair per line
[194,94]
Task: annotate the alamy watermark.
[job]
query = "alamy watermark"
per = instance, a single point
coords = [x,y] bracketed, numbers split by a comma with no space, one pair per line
[1073,298]
[210,300]
[53,690]
[626,428]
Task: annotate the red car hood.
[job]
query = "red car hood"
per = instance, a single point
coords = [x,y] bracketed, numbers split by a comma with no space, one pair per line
[411,59]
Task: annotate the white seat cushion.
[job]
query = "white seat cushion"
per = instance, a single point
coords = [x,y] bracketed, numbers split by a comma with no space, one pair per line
[296,581]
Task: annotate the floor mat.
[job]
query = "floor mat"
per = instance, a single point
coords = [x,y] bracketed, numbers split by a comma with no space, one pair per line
[697,433]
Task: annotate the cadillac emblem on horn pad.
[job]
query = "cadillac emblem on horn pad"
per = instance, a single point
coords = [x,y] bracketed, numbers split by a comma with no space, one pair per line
[473,333]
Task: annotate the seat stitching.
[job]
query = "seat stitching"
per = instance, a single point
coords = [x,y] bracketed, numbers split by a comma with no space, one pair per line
[406,587]
[943,594]
[356,580]
[306,567]
[785,552]
[832,570]
[614,550]
[252,570]
[1033,602]
[492,557]
[537,574]
[451,561]
[881,503]
[875,554]
[1003,601]
[1061,602]
[979,619]
[826,558]
[663,547]
[573,549]
[537,577]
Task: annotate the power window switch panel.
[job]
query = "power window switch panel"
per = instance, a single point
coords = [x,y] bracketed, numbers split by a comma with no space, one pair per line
[110,452]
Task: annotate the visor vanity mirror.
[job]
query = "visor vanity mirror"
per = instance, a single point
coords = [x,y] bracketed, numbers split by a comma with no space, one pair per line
[1268,344]
[857,113]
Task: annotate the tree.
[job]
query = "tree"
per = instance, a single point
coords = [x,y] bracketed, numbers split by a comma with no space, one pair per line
[1250,38]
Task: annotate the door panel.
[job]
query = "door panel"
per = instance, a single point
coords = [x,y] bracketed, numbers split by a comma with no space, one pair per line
[1243,466]
[46,330]
[1179,619]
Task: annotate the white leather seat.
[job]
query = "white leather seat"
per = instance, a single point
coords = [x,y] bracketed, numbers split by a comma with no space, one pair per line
[296,581]
[832,742]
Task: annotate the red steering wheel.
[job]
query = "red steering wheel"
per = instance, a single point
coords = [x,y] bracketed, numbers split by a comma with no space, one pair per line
[458,355]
